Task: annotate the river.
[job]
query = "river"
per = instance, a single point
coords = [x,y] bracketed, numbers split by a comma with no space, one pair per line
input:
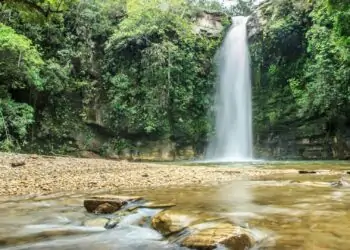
[292,211]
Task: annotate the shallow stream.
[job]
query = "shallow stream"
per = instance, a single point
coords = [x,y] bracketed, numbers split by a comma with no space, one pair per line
[292,211]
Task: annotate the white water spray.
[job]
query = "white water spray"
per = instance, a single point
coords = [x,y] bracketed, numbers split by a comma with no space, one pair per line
[233,130]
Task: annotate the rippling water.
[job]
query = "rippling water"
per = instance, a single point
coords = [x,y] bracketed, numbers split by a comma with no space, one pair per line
[294,211]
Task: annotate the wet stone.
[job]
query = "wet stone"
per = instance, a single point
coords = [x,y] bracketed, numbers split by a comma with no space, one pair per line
[102,206]
[226,234]
[169,221]
[107,204]
[307,172]
[111,224]
[106,208]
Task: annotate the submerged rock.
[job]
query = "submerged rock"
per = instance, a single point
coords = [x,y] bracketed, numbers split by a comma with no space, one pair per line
[312,183]
[226,234]
[151,205]
[96,222]
[341,183]
[155,205]
[107,204]
[123,213]
[169,221]
[111,224]
[110,221]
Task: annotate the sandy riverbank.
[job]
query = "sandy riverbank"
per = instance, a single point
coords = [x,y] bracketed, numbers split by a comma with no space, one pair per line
[44,175]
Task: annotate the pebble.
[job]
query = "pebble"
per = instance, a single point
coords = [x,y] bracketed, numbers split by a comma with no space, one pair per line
[47,175]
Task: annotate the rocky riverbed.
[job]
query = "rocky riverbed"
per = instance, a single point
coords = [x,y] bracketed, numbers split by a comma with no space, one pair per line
[188,229]
[38,175]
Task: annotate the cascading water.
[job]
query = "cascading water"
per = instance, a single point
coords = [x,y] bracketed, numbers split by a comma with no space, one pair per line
[233,130]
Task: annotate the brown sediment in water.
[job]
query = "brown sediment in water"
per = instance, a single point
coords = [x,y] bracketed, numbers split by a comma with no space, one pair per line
[38,175]
[285,209]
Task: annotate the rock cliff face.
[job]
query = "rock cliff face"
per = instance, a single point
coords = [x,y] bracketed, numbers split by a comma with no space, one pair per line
[298,144]
[97,140]
[258,19]
[210,24]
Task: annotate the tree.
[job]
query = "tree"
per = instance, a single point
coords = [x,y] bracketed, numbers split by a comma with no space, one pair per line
[20,65]
[43,7]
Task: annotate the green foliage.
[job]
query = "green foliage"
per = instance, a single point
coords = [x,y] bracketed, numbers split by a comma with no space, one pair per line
[278,57]
[20,62]
[162,63]
[20,68]
[327,70]
[127,69]
[301,69]
[115,146]
[241,8]
[15,119]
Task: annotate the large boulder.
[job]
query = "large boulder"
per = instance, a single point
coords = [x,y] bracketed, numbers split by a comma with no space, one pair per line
[224,233]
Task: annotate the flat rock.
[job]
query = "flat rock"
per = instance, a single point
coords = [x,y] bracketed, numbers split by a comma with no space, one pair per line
[157,205]
[107,204]
[170,221]
[118,197]
[229,235]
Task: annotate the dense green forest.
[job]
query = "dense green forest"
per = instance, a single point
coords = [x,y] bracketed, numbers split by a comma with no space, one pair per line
[302,78]
[109,75]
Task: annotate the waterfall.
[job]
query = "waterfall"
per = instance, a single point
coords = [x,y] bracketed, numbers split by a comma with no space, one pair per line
[232,140]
